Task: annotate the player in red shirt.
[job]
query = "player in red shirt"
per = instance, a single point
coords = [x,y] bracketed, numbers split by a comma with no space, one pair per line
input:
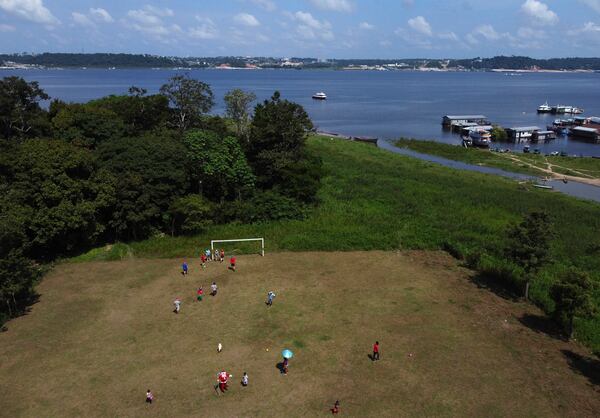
[375,351]
[232,263]
[199,294]
[223,379]
[203,260]
[336,408]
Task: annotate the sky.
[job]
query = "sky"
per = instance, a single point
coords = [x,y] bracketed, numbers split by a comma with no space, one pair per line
[305,28]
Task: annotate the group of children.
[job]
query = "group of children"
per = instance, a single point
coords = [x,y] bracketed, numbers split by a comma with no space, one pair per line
[223,377]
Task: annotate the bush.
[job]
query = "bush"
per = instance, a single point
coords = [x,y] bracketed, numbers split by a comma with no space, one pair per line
[263,206]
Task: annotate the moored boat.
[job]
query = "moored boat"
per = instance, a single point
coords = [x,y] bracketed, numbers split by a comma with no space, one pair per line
[319,96]
[545,108]
[480,137]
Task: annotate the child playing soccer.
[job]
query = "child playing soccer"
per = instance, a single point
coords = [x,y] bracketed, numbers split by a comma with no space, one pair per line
[203,261]
[222,254]
[245,379]
[149,396]
[270,296]
[232,263]
[199,294]
[213,288]
[177,304]
[184,268]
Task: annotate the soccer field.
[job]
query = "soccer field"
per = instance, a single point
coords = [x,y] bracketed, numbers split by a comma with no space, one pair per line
[104,332]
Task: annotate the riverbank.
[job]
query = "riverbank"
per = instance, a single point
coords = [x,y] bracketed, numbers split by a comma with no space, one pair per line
[582,170]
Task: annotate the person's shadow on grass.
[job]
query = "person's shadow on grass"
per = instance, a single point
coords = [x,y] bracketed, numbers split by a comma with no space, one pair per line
[279,366]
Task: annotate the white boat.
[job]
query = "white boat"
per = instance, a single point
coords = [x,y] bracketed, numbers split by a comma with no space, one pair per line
[480,137]
[319,96]
[545,108]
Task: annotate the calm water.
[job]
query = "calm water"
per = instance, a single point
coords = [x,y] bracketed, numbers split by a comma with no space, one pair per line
[370,103]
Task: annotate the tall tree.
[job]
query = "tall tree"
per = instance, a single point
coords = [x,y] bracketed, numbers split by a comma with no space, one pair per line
[150,173]
[20,110]
[278,133]
[190,99]
[56,196]
[86,124]
[219,164]
[529,244]
[572,296]
[237,104]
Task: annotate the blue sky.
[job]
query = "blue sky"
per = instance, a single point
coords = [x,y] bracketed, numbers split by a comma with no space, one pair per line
[316,28]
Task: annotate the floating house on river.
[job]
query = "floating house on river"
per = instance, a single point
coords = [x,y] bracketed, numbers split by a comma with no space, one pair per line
[464,120]
[521,133]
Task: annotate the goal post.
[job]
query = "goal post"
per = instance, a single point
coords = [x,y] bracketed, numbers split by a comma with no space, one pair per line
[262,243]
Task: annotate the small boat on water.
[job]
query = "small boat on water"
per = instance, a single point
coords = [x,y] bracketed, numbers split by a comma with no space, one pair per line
[545,108]
[543,186]
[319,96]
[480,137]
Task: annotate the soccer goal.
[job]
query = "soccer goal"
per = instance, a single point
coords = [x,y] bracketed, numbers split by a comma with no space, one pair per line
[262,243]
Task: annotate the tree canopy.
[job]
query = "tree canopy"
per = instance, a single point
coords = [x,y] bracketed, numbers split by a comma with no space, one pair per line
[190,99]
[20,112]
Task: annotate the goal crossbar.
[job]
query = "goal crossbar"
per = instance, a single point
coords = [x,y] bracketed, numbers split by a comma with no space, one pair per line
[262,243]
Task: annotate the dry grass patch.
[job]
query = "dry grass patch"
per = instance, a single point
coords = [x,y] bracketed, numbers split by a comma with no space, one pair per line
[104,332]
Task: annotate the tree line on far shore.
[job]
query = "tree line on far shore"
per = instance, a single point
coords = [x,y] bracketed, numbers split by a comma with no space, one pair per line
[127,167]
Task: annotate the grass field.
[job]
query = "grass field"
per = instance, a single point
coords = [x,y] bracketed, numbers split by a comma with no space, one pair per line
[104,332]
[372,199]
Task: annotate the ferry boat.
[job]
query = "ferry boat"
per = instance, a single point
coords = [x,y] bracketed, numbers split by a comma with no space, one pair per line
[480,137]
[545,108]
[319,96]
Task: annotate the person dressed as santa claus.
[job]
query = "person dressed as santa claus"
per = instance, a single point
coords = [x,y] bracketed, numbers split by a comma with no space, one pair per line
[223,379]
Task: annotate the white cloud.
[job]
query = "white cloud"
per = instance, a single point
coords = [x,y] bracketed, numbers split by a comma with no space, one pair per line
[33,10]
[486,31]
[594,4]
[539,12]
[334,5]
[166,12]
[589,28]
[206,30]
[246,19]
[100,14]
[6,28]
[268,5]
[408,3]
[311,28]
[419,24]
[82,20]
[366,26]
[149,21]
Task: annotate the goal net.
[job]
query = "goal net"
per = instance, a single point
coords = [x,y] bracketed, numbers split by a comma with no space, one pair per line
[216,242]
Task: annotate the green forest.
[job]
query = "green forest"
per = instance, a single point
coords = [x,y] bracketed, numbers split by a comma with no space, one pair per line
[133,166]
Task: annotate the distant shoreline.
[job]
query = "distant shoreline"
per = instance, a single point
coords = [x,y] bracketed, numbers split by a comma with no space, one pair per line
[407,70]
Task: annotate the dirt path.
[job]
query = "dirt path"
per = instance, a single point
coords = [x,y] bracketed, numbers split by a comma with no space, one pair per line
[582,178]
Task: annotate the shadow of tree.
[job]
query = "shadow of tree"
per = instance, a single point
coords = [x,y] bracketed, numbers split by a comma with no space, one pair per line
[586,366]
[493,284]
[543,325]
[25,306]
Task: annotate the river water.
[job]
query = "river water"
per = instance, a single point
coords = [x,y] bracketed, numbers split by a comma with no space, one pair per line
[385,104]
